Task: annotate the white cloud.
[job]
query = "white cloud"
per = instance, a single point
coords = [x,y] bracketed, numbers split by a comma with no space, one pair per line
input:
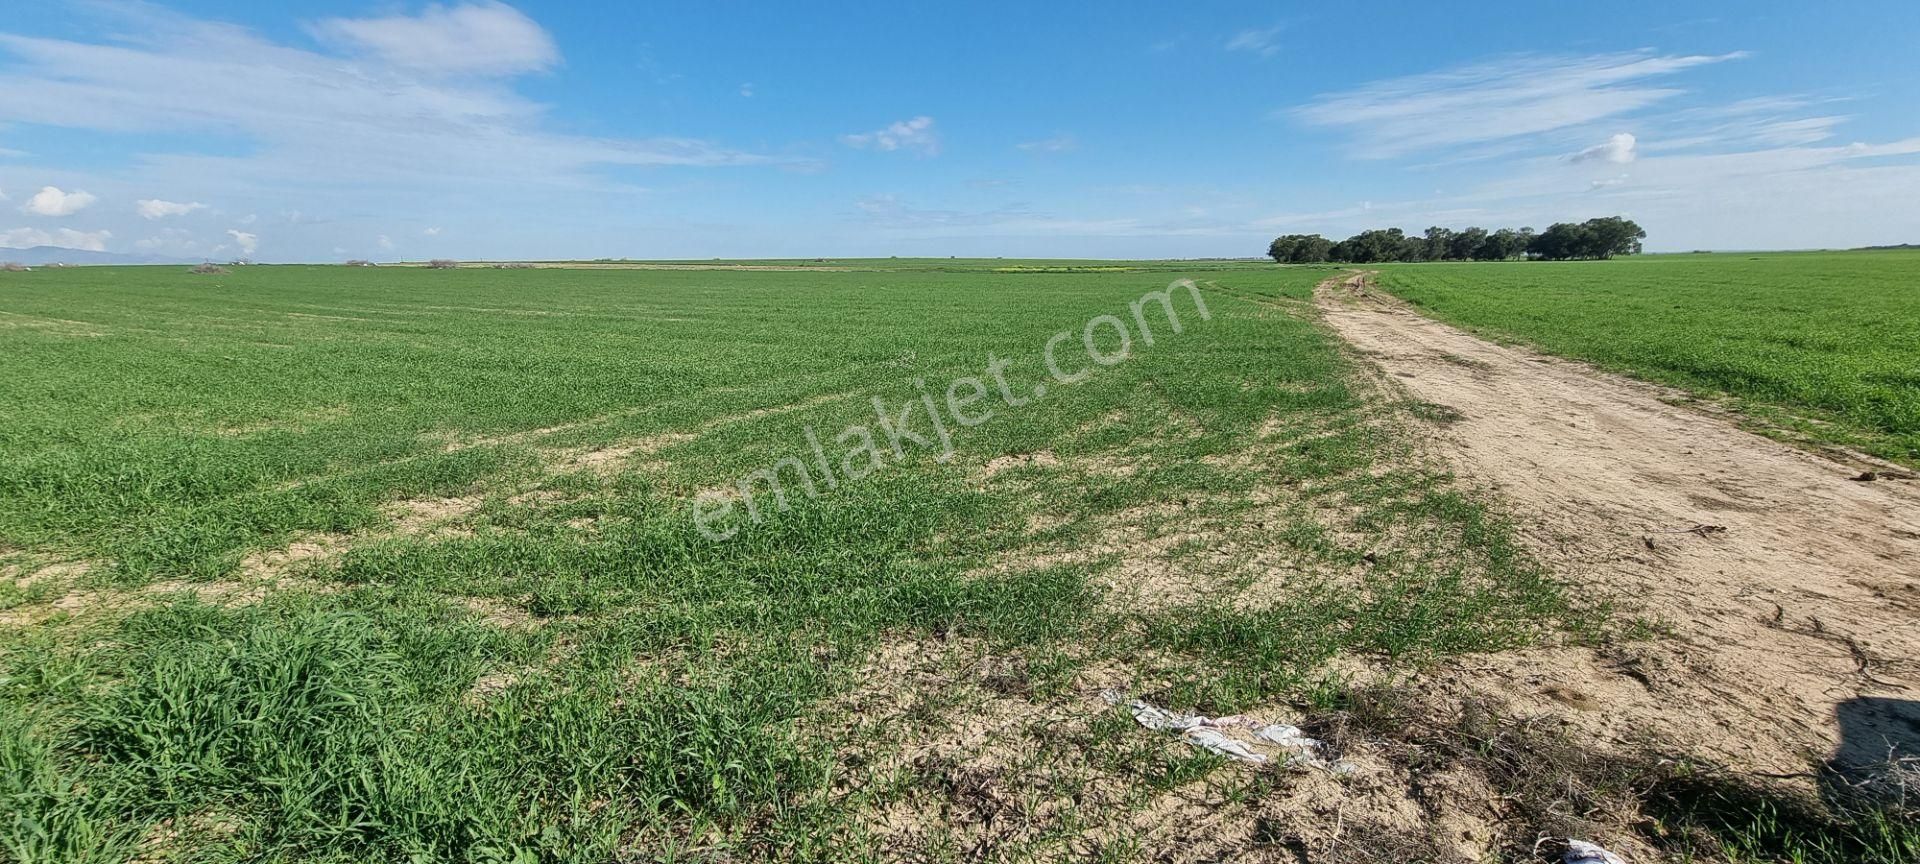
[1056,144]
[247,242]
[1781,197]
[1806,130]
[319,128]
[1760,122]
[1264,42]
[385,243]
[1618,149]
[50,201]
[888,211]
[1495,101]
[746,90]
[1754,173]
[484,38]
[170,239]
[917,135]
[432,232]
[154,208]
[901,219]
[25,238]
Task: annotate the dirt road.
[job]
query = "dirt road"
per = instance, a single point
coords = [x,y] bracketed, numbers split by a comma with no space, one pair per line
[1795,631]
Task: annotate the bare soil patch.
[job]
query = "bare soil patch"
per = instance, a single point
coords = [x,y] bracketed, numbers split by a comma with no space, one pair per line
[1787,586]
[1001,464]
[612,458]
[977,757]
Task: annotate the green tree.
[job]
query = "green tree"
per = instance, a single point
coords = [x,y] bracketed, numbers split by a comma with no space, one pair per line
[1466,244]
[1299,249]
[1603,237]
[1373,246]
[1612,235]
[1501,245]
[1312,249]
[1562,241]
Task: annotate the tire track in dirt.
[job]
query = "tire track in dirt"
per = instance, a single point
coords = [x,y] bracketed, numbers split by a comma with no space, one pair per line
[1795,630]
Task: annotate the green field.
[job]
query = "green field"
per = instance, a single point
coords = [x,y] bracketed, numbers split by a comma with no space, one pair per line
[1818,347]
[398,564]
[321,563]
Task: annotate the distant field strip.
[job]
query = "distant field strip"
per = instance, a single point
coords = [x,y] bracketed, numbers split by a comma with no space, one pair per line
[1821,347]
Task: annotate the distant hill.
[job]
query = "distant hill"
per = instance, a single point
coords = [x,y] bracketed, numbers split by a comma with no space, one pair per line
[1883,248]
[41,256]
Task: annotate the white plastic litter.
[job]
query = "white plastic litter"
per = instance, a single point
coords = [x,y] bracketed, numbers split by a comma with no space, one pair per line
[1211,733]
[1218,742]
[1155,718]
[1582,852]
[1287,736]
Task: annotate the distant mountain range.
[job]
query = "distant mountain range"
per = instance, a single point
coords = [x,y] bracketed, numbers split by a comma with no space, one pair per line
[41,256]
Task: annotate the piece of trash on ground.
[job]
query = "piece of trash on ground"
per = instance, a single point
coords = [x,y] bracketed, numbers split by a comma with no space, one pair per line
[1582,852]
[1216,734]
[1217,741]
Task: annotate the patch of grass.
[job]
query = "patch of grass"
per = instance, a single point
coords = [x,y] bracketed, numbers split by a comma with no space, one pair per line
[1436,413]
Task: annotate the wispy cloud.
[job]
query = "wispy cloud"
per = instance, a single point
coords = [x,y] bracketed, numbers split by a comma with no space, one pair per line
[168,240]
[486,38]
[1264,42]
[1057,144]
[27,238]
[320,125]
[1498,100]
[1618,149]
[154,208]
[1785,197]
[889,211]
[245,241]
[916,135]
[1750,122]
[900,218]
[1806,130]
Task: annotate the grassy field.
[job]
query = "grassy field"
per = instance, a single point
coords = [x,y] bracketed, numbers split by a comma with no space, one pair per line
[1819,347]
[344,564]
[333,563]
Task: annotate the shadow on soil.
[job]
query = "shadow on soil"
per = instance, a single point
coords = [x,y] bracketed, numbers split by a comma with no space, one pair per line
[1550,786]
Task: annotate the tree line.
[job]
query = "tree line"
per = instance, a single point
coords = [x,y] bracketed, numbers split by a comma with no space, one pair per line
[1604,237]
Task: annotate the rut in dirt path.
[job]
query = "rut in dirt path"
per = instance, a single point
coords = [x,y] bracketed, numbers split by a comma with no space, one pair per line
[1796,629]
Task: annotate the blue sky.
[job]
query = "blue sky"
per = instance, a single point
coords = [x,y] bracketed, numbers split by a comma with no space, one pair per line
[328,130]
